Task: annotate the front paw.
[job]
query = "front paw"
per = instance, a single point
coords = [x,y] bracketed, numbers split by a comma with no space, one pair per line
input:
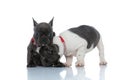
[31,65]
[67,64]
[59,64]
[80,64]
[103,62]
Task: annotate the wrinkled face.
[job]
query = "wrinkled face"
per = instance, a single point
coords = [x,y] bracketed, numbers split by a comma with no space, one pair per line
[43,33]
[49,55]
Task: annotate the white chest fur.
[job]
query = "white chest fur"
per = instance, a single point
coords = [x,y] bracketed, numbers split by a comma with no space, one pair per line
[37,50]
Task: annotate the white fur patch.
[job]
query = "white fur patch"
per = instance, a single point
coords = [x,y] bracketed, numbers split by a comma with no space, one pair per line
[37,50]
[73,42]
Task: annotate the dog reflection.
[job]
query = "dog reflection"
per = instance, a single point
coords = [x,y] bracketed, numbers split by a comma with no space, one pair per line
[44,73]
[102,73]
[79,76]
[51,73]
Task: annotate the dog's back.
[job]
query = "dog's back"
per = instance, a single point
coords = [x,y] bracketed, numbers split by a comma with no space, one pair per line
[90,34]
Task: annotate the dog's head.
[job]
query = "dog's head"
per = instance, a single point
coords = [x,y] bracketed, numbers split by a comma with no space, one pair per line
[43,33]
[49,55]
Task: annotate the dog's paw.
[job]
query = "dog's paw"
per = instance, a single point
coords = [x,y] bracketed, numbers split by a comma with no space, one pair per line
[103,62]
[59,64]
[79,64]
[31,65]
[67,64]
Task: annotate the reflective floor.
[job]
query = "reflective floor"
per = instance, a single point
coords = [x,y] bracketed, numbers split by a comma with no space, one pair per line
[41,73]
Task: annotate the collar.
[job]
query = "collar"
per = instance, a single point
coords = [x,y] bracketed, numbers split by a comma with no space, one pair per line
[63,41]
[61,38]
[33,41]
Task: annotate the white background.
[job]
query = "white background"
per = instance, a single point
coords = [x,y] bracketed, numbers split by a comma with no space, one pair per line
[16,30]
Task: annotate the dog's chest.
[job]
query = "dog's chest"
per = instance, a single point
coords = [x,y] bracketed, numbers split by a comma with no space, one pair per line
[38,49]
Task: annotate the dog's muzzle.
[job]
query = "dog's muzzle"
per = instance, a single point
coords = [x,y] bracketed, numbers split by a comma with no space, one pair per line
[44,41]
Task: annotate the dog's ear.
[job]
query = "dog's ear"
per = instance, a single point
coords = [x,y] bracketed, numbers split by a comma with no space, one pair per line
[51,22]
[34,22]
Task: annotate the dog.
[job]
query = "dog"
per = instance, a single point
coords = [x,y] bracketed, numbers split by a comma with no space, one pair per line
[43,36]
[49,56]
[77,42]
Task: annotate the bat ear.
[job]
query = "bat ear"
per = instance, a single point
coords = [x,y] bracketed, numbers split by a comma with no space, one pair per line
[51,22]
[34,22]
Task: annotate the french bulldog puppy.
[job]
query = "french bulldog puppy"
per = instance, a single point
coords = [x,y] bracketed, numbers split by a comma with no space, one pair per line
[49,56]
[43,36]
[77,42]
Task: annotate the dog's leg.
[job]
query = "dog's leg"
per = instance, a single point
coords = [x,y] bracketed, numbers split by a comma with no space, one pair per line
[80,57]
[30,62]
[100,47]
[30,59]
[69,60]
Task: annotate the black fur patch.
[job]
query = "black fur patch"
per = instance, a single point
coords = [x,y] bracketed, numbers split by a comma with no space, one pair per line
[90,34]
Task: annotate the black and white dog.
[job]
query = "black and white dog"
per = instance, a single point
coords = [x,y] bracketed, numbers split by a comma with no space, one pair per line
[41,46]
[77,42]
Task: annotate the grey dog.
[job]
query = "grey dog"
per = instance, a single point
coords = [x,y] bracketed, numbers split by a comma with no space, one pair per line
[41,50]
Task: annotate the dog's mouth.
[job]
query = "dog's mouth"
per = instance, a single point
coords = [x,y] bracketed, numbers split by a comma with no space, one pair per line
[44,42]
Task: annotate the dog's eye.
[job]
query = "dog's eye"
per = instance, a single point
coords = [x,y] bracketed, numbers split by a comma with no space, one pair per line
[49,35]
[37,34]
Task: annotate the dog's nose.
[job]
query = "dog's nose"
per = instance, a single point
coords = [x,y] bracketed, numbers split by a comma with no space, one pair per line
[44,40]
